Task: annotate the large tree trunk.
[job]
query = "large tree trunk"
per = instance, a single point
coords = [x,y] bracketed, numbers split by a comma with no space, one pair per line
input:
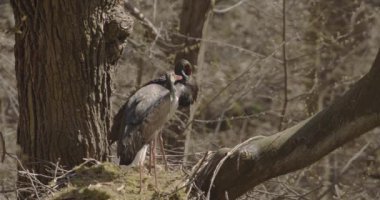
[65,53]
[262,158]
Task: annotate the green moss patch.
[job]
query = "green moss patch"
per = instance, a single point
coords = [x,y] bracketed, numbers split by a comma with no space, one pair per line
[110,181]
[85,193]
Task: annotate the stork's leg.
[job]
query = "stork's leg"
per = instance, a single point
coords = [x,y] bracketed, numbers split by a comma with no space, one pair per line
[154,162]
[141,183]
[139,160]
[163,150]
[150,157]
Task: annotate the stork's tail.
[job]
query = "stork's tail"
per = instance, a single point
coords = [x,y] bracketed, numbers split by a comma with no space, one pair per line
[131,149]
[140,157]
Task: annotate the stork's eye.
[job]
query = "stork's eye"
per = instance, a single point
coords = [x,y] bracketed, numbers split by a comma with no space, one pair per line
[187,69]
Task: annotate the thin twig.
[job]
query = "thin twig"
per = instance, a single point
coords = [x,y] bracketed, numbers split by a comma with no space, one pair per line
[149,26]
[2,142]
[343,171]
[233,118]
[30,177]
[55,172]
[224,44]
[154,41]
[224,10]
[244,73]
[356,156]
[136,13]
[195,170]
[36,188]
[7,190]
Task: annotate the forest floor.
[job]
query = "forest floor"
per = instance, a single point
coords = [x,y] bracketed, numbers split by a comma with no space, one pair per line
[109,181]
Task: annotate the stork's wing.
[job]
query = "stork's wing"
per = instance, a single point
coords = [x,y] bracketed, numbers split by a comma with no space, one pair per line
[120,115]
[140,104]
[157,116]
[160,81]
[144,114]
[117,124]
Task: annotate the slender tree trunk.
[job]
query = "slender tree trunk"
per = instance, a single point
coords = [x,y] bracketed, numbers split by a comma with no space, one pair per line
[193,20]
[65,53]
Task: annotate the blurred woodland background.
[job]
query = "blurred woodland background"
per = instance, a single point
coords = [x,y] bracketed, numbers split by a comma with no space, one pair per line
[329,46]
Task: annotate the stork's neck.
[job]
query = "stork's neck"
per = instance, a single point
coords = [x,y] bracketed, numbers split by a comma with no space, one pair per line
[172,91]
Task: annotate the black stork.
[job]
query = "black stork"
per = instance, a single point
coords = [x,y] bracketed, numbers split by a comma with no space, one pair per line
[141,118]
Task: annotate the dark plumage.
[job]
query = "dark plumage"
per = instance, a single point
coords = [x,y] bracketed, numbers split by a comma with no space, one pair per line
[147,110]
[186,87]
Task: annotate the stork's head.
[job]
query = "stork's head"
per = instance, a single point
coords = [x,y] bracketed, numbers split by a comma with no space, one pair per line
[183,68]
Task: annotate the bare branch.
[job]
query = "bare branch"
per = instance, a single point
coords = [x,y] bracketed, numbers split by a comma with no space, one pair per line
[138,15]
[224,10]
[348,164]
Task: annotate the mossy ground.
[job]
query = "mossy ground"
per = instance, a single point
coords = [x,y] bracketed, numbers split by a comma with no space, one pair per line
[110,181]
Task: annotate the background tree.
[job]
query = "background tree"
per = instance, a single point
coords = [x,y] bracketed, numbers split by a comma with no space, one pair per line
[65,54]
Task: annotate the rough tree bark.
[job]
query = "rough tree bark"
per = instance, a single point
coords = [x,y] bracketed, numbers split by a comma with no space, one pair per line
[193,20]
[65,53]
[260,159]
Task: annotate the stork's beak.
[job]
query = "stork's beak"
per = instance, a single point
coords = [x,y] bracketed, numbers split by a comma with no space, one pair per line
[177,77]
